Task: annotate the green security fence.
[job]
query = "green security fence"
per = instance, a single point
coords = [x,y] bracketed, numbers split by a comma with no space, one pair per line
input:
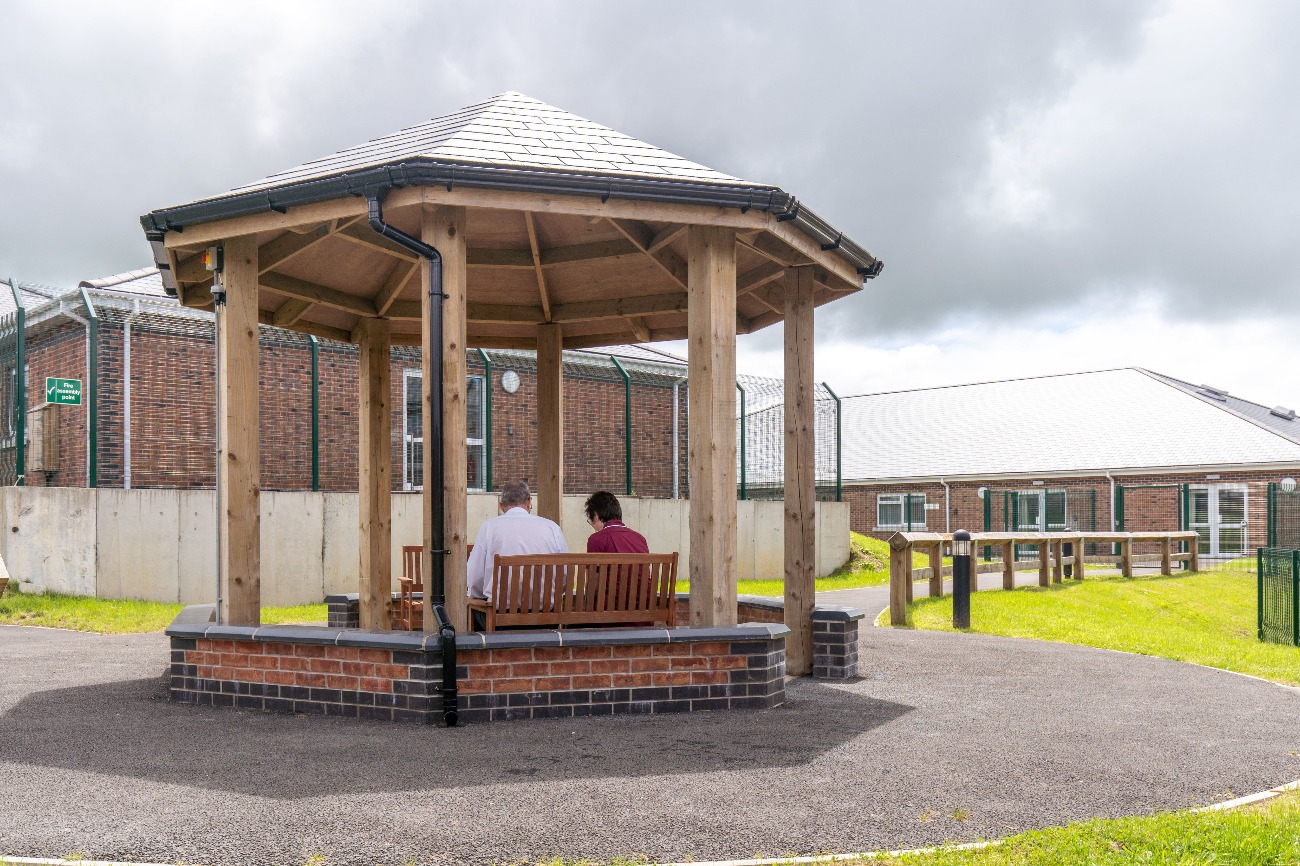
[13,391]
[1279,595]
[1283,516]
[1042,509]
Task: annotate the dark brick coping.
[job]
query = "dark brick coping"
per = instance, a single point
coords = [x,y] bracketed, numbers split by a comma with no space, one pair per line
[827,612]
[195,621]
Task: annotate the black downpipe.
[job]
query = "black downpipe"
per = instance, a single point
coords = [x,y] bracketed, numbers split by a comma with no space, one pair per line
[448,634]
[434,471]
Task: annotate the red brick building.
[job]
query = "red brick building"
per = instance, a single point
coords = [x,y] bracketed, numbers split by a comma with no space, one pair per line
[154,402]
[1122,449]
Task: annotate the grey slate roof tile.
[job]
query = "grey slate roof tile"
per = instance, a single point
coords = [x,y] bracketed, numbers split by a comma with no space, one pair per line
[510,130]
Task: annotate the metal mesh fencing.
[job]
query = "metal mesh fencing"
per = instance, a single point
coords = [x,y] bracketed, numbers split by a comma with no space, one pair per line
[1039,509]
[1283,516]
[760,433]
[1279,596]
[12,385]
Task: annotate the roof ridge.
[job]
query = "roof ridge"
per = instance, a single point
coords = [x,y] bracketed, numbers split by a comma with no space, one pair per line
[117,279]
[988,382]
[1220,405]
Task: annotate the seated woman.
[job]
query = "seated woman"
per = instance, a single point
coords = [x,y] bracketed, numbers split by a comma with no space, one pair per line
[605,516]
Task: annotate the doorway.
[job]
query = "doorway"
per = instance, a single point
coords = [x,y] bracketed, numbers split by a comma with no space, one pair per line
[1218,516]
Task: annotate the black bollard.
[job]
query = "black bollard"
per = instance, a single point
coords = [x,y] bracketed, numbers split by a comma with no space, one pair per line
[961,579]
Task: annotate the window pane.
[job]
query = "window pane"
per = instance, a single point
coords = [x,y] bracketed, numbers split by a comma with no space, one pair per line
[1201,506]
[475,406]
[1232,541]
[475,463]
[889,511]
[415,462]
[1232,506]
[916,510]
[414,405]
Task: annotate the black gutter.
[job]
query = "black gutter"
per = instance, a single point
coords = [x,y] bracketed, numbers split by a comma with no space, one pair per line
[424,171]
[450,713]
[433,472]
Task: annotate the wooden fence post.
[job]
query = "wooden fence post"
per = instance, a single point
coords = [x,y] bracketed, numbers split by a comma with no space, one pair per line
[1166,557]
[1044,563]
[1126,557]
[1058,560]
[900,578]
[1008,565]
[1194,545]
[936,570]
[1078,558]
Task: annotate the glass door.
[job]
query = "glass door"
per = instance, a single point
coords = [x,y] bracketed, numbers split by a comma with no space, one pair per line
[1218,516]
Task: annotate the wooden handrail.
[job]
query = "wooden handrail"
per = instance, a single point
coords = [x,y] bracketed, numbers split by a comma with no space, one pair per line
[1051,559]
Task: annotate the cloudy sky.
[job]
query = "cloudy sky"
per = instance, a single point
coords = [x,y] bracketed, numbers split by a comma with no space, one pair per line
[1054,186]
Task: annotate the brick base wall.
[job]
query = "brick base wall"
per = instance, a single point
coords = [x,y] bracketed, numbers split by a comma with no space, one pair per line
[563,681]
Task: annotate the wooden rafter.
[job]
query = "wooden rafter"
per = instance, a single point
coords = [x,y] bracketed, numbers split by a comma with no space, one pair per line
[619,308]
[758,276]
[665,237]
[639,328]
[536,255]
[287,314]
[317,294]
[643,238]
[612,249]
[393,285]
[326,332]
[366,237]
[274,253]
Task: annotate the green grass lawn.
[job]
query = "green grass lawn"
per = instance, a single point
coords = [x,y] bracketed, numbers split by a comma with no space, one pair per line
[1207,618]
[82,613]
[868,565]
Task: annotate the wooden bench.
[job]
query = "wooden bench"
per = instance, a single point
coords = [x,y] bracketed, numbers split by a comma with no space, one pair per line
[566,589]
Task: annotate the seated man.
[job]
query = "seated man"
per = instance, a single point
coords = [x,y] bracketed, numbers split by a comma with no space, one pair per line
[515,532]
[606,517]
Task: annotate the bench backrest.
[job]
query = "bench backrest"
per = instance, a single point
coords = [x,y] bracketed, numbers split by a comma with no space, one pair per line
[589,588]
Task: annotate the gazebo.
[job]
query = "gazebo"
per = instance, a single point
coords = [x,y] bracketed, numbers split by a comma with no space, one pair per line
[510,224]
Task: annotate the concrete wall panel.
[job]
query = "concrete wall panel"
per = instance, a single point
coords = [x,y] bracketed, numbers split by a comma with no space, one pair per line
[341,550]
[292,548]
[50,538]
[197,526]
[138,544]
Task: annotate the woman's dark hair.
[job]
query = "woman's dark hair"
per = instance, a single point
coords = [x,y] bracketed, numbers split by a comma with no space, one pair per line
[604,505]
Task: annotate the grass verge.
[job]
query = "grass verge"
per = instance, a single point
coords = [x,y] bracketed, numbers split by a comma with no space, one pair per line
[868,565]
[119,616]
[1207,618]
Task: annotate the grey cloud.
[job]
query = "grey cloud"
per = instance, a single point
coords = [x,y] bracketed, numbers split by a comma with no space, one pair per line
[881,116]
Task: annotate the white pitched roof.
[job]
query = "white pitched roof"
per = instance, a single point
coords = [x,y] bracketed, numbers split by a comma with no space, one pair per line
[509,129]
[1088,422]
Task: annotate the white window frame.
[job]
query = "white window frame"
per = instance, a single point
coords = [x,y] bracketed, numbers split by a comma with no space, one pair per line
[901,500]
[413,377]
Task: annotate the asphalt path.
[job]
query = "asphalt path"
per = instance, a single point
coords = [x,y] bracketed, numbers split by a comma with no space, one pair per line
[1004,734]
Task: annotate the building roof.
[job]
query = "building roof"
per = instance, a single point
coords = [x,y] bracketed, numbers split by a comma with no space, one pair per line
[33,295]
[144,281]
[1121,420]
[1281,419]
[509,129]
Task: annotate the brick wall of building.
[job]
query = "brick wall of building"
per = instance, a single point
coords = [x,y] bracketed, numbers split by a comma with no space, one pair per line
[173,415]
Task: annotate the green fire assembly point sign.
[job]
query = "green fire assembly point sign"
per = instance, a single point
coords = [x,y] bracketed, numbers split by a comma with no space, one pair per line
[64,391]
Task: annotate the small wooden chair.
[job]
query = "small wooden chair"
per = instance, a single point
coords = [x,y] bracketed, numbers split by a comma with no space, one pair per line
[410,610]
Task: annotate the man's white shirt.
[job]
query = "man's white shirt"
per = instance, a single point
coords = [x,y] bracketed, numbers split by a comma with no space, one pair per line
[514,533]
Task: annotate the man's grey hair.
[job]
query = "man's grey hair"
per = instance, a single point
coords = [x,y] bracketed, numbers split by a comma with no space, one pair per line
[514,493]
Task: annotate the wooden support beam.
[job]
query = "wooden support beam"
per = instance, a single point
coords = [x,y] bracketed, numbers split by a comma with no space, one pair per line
[758,276]
[536,252]
[375,473]
[444,229]
[665,237]
[641,236]
[711,438]
[506,313]
[640,329]
[935,556]
[619,308]
[326,332]
[1044,564]
[396,280]
[550,421]
[324,295]
[588,341]
[1126,557]
[500,258]
[274,253]
[238,471]
[1058,560]
[614,249]
[1009,565]
[900,578]
[288,313]
[800,472]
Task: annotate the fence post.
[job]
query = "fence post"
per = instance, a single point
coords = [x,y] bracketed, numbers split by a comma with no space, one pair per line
[1166,562]
[936,570]
[743,425]
[900,577]
[988,520]
[1126,557]
[1058,554]
[20,385]
[627,426]
[487,420]
[1259,593]
[839,443]
[1008,565]
[1044,563]
[92,391]
[1295,598]
[1270,538]
[314,346]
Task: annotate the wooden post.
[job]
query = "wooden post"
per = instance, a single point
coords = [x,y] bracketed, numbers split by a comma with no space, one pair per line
[1126,557]
[1008,565]
[550,422]
[1044,563]
[711,439]
[443,227]
[1078,558]
[239,477]
[375,473]
[1166,556]
[936,570]
[800,471]
[1058,560]
[1194,547]
[900,578]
